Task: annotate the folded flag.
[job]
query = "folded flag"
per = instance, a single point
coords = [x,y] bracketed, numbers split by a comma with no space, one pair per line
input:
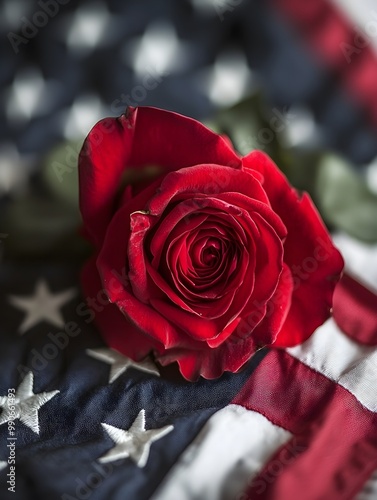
[79,420]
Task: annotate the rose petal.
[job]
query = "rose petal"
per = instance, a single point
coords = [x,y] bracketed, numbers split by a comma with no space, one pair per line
[269,259]
[111,262]
[226,333]
[122,335]
[140,225]
[194,326]
[136,139]
[168,228]
[307,246]
[205,179]
[232,349]
[277,310]
[251,205]
[210,363]
[114,249]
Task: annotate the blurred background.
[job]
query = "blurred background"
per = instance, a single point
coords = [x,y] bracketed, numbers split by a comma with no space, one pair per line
[295,79]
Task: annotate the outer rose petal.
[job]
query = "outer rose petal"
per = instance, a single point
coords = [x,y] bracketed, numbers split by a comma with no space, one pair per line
[211,363]
[119,333]
[141,315]
[142,136]
[208,179]
[277,311]
[308,243]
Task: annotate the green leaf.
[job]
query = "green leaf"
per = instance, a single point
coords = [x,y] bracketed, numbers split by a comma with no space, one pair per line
[60,174]
[40,227]
[246,126]
[345,200]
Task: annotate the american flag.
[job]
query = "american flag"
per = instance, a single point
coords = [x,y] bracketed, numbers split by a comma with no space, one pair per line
[89,423]
[80,421]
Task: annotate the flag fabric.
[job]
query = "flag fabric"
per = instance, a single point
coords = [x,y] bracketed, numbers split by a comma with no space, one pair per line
[343,35]
[79,420]
[317,55]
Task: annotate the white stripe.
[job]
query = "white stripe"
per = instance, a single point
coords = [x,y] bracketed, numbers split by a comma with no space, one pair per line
[369,492]
[360,259]
[353,366]
[220,463]
[363,15]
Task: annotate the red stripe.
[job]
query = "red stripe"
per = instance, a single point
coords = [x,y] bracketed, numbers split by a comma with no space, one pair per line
[334,449]
[329,33]
[355,310]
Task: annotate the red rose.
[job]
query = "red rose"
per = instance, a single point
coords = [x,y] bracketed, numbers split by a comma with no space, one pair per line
[214,259]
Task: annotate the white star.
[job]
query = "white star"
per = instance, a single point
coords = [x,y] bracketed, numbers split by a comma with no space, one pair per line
[30,96]
[14,169]
[25,95]
[205,6]
[371,176]
[78,118]
[158,49]
[120,363]
[2,465]
[25,404]
[11,13]
[89,27]
[299,128]
[230,80]
[219,7]
[42,306]
[134,443]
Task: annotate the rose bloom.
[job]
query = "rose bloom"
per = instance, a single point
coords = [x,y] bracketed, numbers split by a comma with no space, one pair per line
[213,258]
